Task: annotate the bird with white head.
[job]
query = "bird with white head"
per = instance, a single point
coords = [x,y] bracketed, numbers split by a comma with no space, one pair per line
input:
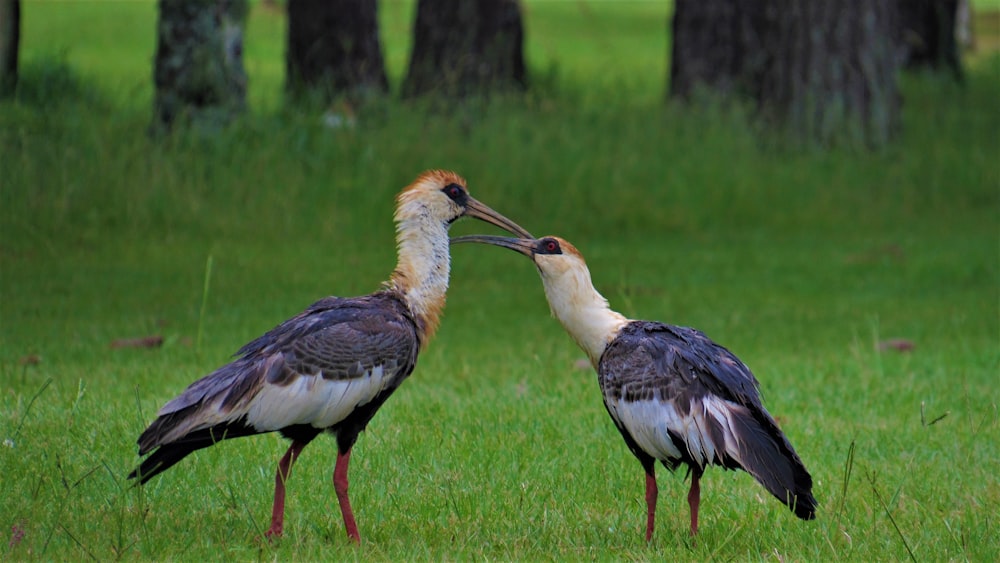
[674,395]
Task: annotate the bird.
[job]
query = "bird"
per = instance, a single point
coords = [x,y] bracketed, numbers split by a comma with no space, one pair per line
[332,366]
[673,394]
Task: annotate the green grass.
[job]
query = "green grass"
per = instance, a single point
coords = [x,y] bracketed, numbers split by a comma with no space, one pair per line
[497,447]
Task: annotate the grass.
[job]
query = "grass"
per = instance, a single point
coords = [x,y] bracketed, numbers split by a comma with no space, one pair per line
[498,447]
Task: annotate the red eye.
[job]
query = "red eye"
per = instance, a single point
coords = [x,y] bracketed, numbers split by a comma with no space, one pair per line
[549,246]
[454,191]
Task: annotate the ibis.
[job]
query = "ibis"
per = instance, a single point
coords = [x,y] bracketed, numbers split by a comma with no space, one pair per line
[331,367]
[674,395]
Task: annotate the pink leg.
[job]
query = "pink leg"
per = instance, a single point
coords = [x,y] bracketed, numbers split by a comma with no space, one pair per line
[340,486]
[284,470]
[694,498]
[651,493]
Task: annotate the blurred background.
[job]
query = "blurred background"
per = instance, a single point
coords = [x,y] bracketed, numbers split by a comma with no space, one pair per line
[815,185]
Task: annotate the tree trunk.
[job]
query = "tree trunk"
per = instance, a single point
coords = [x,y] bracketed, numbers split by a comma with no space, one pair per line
[927,35]
[963,26]
[198,74]
[714,47]
[334,50]
[820,70]
[466,47]
[831,70]
[10,39]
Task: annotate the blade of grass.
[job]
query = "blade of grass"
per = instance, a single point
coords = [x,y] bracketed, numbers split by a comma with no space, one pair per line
[204,303]
[885,508]
[17,431]
[923,419]
[848,470]
[77,542]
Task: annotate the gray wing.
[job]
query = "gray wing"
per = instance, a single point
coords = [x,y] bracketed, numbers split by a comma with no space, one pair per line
[679,397]
[314,369]
[655,360]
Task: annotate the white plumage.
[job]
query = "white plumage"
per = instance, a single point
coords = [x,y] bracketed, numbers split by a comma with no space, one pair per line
[315,401]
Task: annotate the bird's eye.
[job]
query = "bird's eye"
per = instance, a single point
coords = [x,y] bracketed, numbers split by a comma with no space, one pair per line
[454,191]
[551,246]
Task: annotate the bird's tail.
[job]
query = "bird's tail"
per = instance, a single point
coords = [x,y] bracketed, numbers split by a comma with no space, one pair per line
[166,455]
[765,453]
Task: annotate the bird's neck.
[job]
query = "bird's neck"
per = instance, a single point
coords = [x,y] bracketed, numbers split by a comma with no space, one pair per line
[422,269]
[583,312]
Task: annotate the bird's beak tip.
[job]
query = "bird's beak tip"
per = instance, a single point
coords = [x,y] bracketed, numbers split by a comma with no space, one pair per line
[479,210]
[521,245]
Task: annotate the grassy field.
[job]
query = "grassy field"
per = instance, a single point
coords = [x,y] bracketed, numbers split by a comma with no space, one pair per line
[809,265]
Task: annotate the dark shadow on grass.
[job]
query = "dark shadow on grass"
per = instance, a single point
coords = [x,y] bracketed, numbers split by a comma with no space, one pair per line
[49,81]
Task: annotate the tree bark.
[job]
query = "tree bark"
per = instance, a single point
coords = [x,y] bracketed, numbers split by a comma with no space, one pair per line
[927,35]
[831,70]
[198,75]
[466,47]
[10,39]
[819,70]
[715,47]
[334,50]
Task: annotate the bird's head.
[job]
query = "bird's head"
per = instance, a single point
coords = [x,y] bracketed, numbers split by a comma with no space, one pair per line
[442,196]
[563,270]
[558,261]
[572,298]
[424,211]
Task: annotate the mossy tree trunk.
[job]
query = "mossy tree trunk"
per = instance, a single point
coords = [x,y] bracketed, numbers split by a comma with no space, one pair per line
[466,47]
[198,69]
[334,50]
[820,71]
[10,39]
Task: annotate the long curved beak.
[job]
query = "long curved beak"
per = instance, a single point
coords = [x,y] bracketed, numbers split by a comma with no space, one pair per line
[481,211]
[525,246]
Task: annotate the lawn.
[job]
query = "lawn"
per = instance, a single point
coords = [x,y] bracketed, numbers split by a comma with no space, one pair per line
[862,288]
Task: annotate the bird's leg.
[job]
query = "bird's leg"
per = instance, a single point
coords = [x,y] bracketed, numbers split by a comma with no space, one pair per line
[651,494]
[694,498]
[284,470]
[340,486]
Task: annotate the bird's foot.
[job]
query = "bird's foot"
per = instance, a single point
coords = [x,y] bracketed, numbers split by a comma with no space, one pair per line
[354,536]
[273,534]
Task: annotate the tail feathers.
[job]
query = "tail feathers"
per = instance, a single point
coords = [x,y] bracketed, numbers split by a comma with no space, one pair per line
[167,455]
[168,428]
[765,453]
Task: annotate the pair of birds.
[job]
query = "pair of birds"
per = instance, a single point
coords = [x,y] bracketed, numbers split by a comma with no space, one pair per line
[674,395]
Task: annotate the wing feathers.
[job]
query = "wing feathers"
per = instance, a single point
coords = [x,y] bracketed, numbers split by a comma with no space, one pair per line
[313,370]
[682,398]
[714,431]
[169,454]
[764,452]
